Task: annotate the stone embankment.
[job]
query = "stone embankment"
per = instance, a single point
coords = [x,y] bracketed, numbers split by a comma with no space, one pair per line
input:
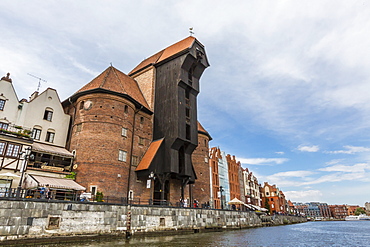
[22,220]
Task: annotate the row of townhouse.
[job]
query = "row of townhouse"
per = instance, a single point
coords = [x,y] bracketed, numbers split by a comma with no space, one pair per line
[323,210]
[133,137]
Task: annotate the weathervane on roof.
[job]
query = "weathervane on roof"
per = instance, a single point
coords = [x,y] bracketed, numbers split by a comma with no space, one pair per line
[191,31]
[40,79]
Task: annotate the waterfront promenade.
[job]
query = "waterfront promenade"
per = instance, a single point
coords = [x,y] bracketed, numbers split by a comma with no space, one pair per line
[25,219]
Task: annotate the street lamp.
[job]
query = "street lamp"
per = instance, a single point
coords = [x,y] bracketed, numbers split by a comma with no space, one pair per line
[23,169]
[151,177]
[221,190]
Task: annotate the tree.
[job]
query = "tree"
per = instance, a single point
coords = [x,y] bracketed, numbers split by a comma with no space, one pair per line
[359,211]
[267,205]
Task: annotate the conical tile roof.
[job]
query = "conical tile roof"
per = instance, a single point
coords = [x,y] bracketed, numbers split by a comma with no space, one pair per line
[114,80]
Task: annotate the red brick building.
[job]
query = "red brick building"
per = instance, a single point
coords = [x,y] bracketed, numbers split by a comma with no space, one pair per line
[234,181]
[214,156]
[338,211]
[274,198]
[110,131]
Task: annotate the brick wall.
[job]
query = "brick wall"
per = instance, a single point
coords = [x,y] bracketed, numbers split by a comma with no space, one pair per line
[97,138]
[31,219]
[200,158]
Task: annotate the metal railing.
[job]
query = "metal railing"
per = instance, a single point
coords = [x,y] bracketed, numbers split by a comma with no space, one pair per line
[60,195]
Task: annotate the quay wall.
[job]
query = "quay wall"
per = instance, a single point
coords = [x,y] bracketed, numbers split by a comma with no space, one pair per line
[47,219]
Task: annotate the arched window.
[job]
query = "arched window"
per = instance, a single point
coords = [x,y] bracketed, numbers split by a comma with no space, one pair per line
[36,132]
[48,114]
[50,135]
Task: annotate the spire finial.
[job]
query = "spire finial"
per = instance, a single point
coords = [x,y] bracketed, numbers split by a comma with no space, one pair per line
[191,31]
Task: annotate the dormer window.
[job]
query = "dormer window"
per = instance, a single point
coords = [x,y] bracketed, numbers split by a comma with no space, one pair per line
[48,114]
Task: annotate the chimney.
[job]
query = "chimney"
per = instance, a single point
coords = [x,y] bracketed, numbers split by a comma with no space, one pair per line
[7,77]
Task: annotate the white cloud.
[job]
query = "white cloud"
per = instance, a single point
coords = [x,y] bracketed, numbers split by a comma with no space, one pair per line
[281,153]
[293,174]
[304,195]
[350,150]
[338,177]
[263,161]
[357,168]
[310,149]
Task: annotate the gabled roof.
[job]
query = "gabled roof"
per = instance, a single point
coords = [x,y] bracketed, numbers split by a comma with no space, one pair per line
[164,54]
[116,81]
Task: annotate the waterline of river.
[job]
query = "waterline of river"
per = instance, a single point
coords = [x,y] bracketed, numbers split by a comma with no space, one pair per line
[324,233]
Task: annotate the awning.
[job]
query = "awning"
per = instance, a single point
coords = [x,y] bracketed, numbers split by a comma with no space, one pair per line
[33,181]
[149,155]
[44,148]
[258,208]
[249,206]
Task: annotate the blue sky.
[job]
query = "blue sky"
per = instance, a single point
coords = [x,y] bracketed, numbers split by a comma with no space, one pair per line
[287,92]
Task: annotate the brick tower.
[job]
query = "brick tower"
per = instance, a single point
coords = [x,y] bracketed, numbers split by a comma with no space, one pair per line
[110,131]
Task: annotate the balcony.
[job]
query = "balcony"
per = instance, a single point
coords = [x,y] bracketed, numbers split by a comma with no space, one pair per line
[15,131]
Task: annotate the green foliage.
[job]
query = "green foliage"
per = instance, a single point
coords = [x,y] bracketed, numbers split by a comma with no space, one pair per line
[72,175]
[99,196]
[360,211]
[267,205]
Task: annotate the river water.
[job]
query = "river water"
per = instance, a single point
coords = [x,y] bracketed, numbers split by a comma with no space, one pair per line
[319,233]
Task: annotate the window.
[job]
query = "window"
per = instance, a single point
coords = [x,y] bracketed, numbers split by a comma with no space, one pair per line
[188,132]
[93,189]
[82,105]
[49,136]
[190,75]
[124,132]
[2,104]
[36,133]
[12,150]
[4,126]
[122,155]
[187,97]
[141,141]
[187,114]
[126,109]
[2,148]
[141,120]
[78,127]
[48,115]
[135,160]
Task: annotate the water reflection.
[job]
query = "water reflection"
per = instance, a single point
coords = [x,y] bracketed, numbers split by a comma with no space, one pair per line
[307,234]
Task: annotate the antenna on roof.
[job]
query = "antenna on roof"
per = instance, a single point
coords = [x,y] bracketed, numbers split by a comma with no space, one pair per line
[40,79]
[191,31]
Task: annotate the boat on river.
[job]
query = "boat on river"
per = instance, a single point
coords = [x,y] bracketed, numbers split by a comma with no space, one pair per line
[357,217]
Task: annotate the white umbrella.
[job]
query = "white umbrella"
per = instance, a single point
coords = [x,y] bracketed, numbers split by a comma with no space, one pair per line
[9,174]
[235,201]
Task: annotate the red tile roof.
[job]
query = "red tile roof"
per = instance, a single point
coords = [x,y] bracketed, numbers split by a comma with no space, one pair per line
[203,130]
[116,81]
[164,54]
[149,155]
